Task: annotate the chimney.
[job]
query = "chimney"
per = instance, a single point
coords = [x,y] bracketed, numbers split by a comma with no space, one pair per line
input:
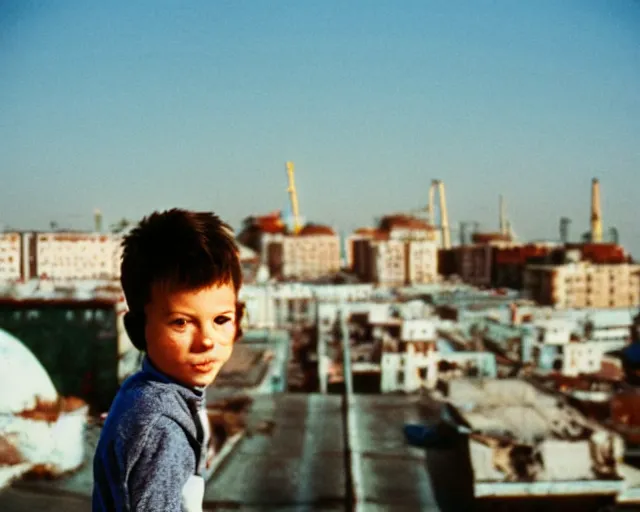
[564,229]
[503,218]
[596,215]
[97,219]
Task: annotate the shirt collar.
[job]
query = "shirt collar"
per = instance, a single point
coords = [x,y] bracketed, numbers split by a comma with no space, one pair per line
[149,368]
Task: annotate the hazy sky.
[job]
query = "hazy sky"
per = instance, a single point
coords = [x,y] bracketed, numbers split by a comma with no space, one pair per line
[132,108]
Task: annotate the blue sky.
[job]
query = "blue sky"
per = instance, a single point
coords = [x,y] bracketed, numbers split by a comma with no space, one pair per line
[132,108]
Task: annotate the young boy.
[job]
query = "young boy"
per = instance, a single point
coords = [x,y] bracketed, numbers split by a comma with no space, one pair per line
[180,275]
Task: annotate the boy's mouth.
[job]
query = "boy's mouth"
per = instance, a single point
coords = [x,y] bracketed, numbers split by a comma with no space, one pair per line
[204,367]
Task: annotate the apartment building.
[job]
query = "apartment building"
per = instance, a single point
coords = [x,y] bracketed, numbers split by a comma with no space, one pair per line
[59,256]
[10,256]
[510,262]
[422,262]
[582,284]
[357,244]
[401,251]
[404,227]
[388,262]
[77,255]
[258,230]
[474,264]
[312,253]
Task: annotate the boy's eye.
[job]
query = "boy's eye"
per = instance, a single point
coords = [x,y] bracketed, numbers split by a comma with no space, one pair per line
[179,322]
[222,320]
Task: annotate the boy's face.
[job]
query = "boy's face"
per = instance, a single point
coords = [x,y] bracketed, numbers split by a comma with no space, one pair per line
[190,333]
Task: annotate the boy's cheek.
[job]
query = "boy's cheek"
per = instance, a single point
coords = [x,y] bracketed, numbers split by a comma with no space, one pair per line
[225,351]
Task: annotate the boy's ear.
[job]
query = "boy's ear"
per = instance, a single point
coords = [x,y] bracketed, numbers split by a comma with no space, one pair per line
[134,325]
[239,316]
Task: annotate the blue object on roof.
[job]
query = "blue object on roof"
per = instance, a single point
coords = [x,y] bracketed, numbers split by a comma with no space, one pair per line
[420,435]
[444,347]
[632,353]
[430,436]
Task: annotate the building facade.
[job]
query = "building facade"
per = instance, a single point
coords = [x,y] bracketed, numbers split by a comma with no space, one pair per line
[60,256]
[584,285]
[313,253]
[401,251]
[69,256]
[10,256]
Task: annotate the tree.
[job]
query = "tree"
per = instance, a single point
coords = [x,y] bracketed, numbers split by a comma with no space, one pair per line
[120,226]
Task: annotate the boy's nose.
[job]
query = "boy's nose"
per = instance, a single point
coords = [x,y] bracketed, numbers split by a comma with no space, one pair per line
[207,342]
[205,339]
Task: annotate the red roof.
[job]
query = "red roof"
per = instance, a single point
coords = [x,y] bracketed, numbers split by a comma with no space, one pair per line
[483,238]
[365,231]
[269,223]
[521,254]
[601,253]
[400,221]
[316,229]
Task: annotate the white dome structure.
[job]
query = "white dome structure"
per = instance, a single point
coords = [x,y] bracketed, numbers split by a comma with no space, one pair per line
[37,427]
[23,380]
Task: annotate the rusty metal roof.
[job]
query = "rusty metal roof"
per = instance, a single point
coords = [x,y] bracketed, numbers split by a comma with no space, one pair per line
[316,229]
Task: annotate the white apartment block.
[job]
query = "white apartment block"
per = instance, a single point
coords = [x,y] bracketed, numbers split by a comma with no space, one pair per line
[397,262]
[408,233]
[586,357]
[423,329]
[388,262]
[422,264]
[584,285]
[408,371]
[10,256]
[415,365]
[69,256]
[304,256]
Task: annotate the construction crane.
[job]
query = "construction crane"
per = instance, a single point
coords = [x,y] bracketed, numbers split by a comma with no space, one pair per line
[293,196]
[429,212]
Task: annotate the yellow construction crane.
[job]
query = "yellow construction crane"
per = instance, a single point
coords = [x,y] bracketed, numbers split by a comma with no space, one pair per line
[293,195]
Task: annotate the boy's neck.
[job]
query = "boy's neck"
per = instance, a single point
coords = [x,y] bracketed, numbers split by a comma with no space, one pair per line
[149,366]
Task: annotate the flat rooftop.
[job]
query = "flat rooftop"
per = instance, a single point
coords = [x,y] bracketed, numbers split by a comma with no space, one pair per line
[301,464]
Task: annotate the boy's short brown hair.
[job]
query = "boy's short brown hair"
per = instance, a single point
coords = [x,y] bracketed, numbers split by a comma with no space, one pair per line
[179,249]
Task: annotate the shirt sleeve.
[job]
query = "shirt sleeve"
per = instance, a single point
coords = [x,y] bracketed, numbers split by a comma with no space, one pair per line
[158,479]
